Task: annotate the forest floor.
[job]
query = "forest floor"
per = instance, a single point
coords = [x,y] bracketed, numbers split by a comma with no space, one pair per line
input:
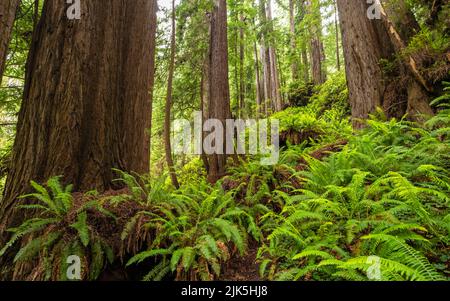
[243,268]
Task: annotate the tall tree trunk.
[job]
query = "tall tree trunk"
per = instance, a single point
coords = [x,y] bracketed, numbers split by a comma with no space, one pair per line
[8,10]
[258,84]
[167,144]
[241,67]
[305,63]
[366,42]
[274,75]
[293,40]
[219,101]
[265,57]
[302,8]
[86,103]
[205,92]
[317,50]
[276,88]
[317,57]
[363,50]
[336,28]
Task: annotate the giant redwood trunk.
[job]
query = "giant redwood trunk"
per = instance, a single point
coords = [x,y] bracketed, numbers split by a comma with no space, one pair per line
[367,42]
[86,103]
[8,10]
[219,90]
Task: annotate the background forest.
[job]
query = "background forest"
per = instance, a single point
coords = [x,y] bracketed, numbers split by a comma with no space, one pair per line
[361,190]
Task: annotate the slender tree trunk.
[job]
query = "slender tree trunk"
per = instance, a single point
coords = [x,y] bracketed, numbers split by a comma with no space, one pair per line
[294,65]
[205,92]
[317,57]
[168,147]
[302,8]
[219,106]
[86,104]
[336,27]
[317,50]
[274,75]
[265,57]
[241,66]
[236,67]
[8,10]
[305,63]
[259,86]
[276,90]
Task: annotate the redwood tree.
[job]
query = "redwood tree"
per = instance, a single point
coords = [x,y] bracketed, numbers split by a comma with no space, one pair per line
[87,97]
[367,43]
[219,90]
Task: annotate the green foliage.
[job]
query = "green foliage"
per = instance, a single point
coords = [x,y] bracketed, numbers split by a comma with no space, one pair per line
[49,237]
[386,194]
[196,230]
[300,93]
[192,172]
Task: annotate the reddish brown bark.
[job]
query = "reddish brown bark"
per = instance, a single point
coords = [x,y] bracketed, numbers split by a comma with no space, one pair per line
[219,100]
[87,98]
[366,44]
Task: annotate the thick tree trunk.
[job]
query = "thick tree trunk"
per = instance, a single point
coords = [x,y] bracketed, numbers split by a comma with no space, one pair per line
[366,43]
[86,104]
[364,48]
[168,109]
[219,101]
[8,10]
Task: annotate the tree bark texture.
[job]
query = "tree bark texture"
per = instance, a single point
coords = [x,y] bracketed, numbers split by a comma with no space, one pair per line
[219,100]
[87,98]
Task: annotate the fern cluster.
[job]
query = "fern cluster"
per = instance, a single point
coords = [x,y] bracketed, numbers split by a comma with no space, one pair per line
[196,230]
[59,229]
[385,196]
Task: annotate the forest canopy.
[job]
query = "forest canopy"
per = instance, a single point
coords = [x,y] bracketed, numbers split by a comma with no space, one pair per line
[316,140]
